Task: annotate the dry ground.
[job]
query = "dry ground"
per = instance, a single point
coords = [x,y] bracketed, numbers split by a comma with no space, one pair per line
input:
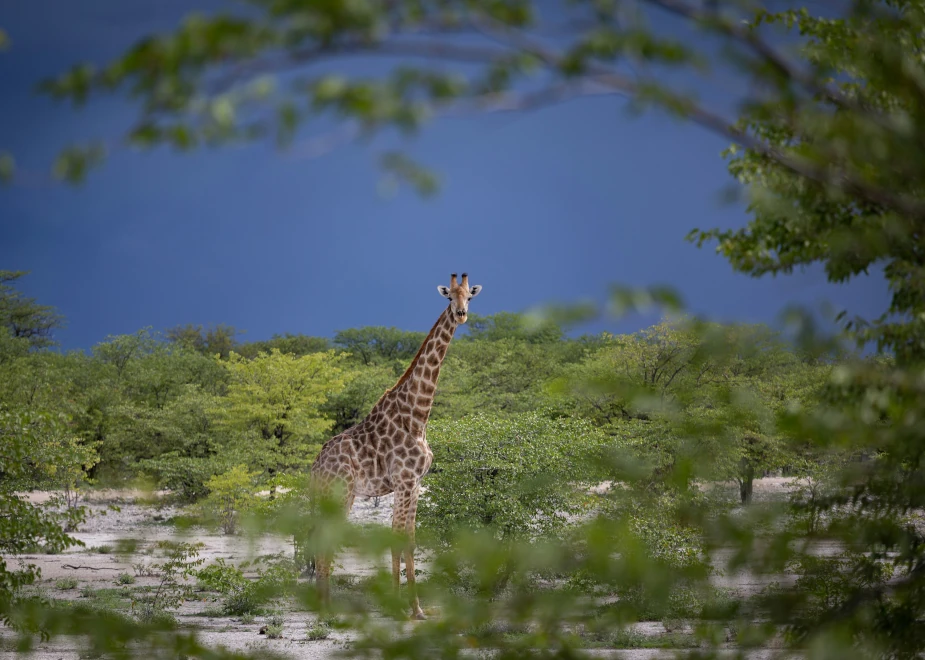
[120,515]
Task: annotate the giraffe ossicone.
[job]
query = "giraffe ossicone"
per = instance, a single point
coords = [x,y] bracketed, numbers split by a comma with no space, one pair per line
[387,452]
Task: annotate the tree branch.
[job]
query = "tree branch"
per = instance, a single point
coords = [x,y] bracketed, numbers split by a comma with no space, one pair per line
[607,76]
[398,48]
[325,143]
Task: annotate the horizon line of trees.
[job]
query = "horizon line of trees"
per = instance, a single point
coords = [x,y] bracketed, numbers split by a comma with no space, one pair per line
[185,405]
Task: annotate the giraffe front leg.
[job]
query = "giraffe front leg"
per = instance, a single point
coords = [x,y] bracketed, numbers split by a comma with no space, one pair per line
[416,610]
[323,579]
[325,560]
[403,522]
[399,511]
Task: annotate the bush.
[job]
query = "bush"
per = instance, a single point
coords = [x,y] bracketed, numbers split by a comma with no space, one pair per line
[240,596]
[242,602]
[520,477]
[230,494]
[65,584]
[243,596]
[274,627]
[125,578]
[180,563]
[36,450]
[221,578]
[152,614]
[317,631]
[185,476]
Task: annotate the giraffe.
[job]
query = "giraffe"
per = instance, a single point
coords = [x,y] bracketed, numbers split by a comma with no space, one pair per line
[387,451]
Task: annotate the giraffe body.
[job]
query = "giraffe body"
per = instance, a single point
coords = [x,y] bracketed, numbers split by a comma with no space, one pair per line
[387,452]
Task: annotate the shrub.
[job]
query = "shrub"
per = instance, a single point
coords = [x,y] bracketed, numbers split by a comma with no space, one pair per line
[230,494]
[67,583]
[185,476]
[240,596]
[36,450]
[520,477]
[220,577]
[152,614]
[828,581]
[181,562]
[317,631]
[242,602]
[274,628]
[127,546]
[125,578]
[243,596]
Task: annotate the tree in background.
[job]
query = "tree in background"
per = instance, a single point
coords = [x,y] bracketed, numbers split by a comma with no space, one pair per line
[272,405]
[286,343]
[142,397]
[509,325]
[364,387]
[24,317]
[219,340]
[378,344]
[719,385]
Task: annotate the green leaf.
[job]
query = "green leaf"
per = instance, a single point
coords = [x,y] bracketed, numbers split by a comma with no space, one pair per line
[7,167]
[73,164]
[330,88]
[403,169]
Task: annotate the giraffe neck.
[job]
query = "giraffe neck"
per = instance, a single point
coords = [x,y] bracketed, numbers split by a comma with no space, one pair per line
[418,384]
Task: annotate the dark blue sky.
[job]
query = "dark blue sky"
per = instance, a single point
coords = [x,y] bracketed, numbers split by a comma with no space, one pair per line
[548,206]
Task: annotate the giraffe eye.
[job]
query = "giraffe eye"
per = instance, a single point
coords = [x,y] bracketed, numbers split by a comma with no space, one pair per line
[470,298]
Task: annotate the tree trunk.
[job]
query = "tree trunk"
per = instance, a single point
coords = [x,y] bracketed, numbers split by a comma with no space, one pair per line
[745,486]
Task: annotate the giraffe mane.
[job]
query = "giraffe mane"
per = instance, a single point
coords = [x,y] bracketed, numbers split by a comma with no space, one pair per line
[417,356]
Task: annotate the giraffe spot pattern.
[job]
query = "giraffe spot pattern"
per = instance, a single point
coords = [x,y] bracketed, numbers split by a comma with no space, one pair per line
[388,451]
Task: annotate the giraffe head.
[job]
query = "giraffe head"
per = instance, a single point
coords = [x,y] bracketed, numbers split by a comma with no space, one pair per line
[459,295]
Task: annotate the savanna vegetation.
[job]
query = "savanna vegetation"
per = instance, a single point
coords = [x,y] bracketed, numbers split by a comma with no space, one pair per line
[527,553]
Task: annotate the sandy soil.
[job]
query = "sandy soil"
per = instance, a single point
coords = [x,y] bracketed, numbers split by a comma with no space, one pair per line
[119,515]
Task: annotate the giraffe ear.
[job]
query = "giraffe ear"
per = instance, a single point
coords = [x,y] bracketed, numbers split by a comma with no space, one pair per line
[474,290]
[444,291]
